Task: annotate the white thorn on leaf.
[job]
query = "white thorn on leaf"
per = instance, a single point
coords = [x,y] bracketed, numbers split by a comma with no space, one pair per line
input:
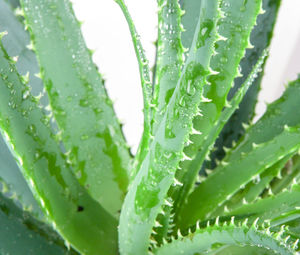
[177,183]
[185,157]
[232,221]
[217,221]
[30,46]
[195,132]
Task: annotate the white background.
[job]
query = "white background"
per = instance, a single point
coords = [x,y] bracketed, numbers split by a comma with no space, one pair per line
[105,31]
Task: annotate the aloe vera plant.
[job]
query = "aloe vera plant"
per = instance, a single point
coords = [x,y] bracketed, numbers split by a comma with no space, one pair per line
[205,178]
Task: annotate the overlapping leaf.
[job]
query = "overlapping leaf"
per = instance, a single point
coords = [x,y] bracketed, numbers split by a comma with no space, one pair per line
[213,238]
[235,27]
[260,38]
[79,219]
[15,43]
[89,129]
[259,137]
[21,234]
[148,190]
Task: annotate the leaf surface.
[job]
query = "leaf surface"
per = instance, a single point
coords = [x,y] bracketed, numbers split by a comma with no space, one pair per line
[21,234]
[15,43]
[260,38]
[189,20]
[79,219]
[146,196]
[234,27]
[211,238]
[89,129]
[254,189]
[214,191]
[272,207]
[146,88]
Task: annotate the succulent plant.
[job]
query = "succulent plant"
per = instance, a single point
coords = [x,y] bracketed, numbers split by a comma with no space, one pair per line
[206,179]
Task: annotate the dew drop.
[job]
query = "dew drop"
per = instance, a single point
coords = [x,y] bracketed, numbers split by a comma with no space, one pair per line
[83,102]
[169,133]
[204,33]
[190,88]
[97,110]
[37,155]
[78,174]
[12,105]
[84,137]
[25,94]
[182,101]
[223,60]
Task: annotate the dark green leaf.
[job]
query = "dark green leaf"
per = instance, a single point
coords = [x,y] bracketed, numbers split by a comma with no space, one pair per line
[21,234]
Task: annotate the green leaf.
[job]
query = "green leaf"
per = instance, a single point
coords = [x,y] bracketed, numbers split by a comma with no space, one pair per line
[78,218]
[13,181]
[272,208]
[89,129]
[188,178]
[169,57]
[211,238]
[260,38]
[236,250]
[189,20]
[21,234]
[293,226]
[235,26]
[146,88]
[254,188]
[290,174]
[169,63]
[214,191]
[13,3]
[145,199]
[15,44]
[279,114]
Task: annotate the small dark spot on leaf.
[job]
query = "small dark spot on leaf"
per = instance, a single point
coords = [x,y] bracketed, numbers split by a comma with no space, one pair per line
[80,208]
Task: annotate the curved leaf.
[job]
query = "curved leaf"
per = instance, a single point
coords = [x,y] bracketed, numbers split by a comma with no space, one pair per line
[13,180]
[236,250]
[260,38]
[189,20]
[273,208]
[279,114]
[252,191]
[79,219]
[89,129]
[15,44]
[235,26]
[213,237]
[214,191]
[215,130]
[169,57]
[147,192]
[290,175]
[146,88]
[169,63]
